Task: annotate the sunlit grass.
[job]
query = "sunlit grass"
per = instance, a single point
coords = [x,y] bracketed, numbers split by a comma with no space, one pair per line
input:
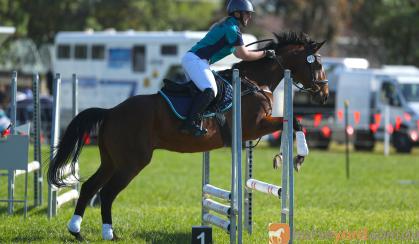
[163,202]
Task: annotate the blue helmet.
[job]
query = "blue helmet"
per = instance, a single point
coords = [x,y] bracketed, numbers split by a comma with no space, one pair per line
[240,5]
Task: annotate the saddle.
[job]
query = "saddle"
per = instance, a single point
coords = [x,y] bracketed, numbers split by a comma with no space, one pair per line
[179,97]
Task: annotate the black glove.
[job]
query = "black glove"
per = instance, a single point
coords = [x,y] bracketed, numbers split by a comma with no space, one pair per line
[270,53]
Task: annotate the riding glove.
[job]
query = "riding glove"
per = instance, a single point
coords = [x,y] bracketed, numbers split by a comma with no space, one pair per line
[270,53]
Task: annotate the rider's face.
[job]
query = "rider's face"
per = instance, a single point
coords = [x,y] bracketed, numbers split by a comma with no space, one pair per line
[246,17]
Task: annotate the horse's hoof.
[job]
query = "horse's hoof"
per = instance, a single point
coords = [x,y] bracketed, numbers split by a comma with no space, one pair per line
[115,237]
[298,162]
[77,235]
[277,161]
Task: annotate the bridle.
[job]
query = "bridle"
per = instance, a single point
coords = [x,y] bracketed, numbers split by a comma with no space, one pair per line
[316,85]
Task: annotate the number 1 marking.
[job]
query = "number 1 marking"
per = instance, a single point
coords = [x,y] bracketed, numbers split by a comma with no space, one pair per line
[202,237]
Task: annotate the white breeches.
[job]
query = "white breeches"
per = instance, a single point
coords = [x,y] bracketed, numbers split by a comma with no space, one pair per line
[198,70]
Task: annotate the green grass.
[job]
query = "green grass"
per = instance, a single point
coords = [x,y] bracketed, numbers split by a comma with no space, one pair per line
[163,202]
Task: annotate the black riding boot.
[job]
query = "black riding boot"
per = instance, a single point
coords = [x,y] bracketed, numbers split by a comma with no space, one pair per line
[199,103]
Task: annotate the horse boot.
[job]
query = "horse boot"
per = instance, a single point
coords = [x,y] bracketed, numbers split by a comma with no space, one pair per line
[199,103]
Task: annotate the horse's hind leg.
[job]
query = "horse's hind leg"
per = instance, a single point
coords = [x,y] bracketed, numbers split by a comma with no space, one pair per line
[88,190]
[108,193]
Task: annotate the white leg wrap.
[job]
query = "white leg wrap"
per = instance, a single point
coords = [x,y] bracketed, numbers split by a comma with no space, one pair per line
[302,148]
[74,224]
[107,232]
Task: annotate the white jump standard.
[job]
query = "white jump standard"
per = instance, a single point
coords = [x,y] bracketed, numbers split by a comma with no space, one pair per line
[234,197]
[287,168]
[54,199]
[15,147]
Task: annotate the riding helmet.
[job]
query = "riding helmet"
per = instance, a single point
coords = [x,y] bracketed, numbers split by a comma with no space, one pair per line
[240,5]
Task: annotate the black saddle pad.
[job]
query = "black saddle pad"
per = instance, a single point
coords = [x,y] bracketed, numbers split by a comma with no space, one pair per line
[179,97]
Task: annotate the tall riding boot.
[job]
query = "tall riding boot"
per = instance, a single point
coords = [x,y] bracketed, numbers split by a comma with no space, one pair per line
[199,103]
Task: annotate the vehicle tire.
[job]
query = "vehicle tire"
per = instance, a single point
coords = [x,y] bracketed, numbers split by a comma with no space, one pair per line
[321,145]
[364,141]
[401,142]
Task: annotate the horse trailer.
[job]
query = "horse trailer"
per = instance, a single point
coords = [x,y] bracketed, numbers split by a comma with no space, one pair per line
[112,66]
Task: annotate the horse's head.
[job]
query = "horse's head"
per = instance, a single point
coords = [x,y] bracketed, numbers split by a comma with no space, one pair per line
[297,52]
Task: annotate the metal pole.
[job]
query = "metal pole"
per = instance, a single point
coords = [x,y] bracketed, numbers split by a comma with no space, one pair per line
[52,191]
[289,135]
[347,137]
[205,180]
[236,184]
[75,112]
[13,108]
[284,150]
[248,192]
[37,184]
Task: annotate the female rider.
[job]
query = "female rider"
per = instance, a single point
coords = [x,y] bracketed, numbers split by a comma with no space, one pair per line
[222,39]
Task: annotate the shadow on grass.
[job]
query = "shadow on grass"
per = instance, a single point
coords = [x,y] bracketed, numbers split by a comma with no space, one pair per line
[18,209]
[157,237]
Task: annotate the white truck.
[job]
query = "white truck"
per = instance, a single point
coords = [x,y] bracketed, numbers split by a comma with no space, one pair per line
[318,119]
[112,66]
[369,92]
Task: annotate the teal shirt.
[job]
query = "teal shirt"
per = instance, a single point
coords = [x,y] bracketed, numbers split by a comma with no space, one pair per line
[219,41]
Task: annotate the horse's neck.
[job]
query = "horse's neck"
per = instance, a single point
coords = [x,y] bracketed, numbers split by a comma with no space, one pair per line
[261,76]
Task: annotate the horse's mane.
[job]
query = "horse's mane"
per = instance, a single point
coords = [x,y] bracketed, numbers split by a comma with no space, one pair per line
[283,39]
[289,38]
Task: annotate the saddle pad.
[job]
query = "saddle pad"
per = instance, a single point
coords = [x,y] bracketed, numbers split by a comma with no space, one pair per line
[180,105]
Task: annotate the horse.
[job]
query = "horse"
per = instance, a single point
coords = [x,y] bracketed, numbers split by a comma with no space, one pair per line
[129,132]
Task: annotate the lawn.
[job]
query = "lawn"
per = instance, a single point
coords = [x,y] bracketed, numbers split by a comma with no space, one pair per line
[161,205]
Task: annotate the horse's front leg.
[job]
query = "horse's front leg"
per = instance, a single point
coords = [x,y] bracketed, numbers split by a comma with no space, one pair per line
[302,148]
[271,124]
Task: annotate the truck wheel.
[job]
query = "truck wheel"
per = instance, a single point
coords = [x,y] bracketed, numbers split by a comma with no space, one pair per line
[368,148]
[402,142]
[364,141]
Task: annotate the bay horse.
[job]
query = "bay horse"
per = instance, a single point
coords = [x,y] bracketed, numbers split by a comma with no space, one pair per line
[129,132]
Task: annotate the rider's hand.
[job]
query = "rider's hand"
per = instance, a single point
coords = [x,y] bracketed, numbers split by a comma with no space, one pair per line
[270,53]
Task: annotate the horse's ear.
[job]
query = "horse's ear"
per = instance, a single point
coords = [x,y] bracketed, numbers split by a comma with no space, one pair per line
[277,36]
[318,45]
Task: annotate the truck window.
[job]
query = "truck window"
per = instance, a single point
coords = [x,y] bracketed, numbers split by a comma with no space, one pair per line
[98,52]
[63,51]
[388,94]
[138,59]
[410,92]
[168,50]
[80,51]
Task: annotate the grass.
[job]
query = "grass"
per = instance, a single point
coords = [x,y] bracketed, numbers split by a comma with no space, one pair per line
[163,203]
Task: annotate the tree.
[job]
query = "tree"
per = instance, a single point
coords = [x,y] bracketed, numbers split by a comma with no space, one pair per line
[390,27]
[40,20]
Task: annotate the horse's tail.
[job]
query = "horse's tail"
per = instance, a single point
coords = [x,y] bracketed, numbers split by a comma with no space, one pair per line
[71,145]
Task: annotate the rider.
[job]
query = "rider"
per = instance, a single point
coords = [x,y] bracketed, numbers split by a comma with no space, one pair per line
[222,39]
